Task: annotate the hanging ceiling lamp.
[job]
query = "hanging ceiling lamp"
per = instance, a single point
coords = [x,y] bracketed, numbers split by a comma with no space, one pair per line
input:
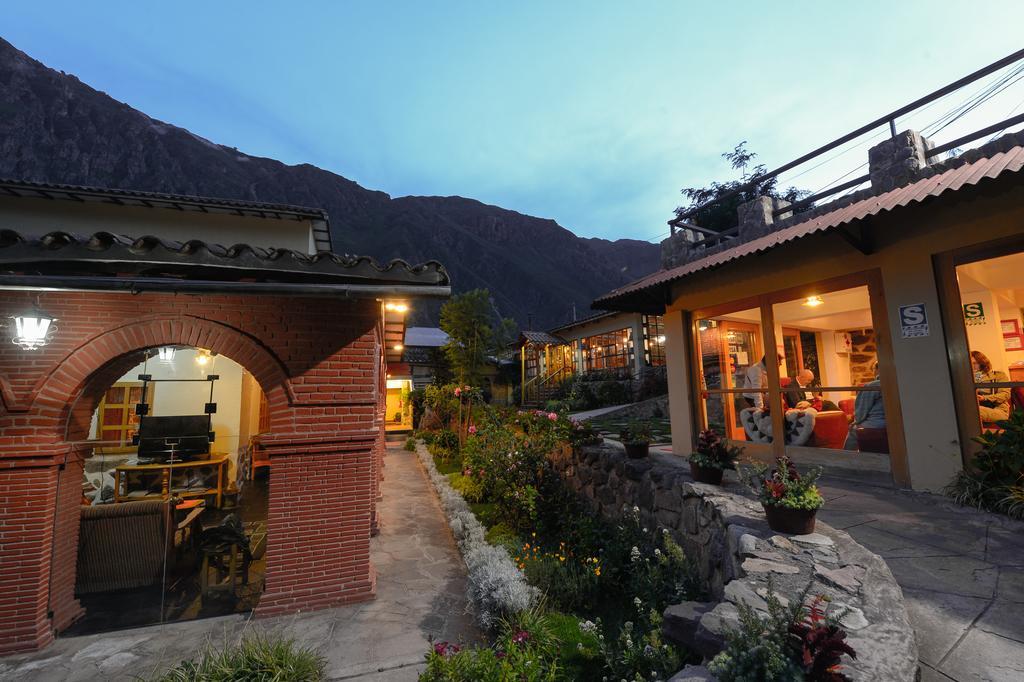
[814,301]
[203,357]
[32,329]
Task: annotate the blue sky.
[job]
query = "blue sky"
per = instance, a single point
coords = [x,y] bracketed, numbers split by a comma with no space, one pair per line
[591,113]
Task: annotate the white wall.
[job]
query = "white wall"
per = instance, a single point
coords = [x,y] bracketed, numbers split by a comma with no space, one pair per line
[987,337]
[190,398]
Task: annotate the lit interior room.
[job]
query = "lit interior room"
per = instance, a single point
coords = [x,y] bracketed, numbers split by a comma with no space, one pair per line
[181,425]
[827,357]
[992,295]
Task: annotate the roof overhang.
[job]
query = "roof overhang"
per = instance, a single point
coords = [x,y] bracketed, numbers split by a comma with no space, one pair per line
[652,293]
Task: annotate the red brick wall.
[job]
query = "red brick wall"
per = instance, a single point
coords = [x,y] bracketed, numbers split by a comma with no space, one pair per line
[318,361]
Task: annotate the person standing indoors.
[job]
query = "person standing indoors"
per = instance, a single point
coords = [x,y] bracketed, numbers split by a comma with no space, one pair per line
[755,379]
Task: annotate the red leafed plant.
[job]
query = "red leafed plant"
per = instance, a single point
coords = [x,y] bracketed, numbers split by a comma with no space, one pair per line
[820,642]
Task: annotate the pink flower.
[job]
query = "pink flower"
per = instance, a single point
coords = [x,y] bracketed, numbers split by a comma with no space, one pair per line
[458,391]
[446,649]
[472,429]
[552,416]
[521,637]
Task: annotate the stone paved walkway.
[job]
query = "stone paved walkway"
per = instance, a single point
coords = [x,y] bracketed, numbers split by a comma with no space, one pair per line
[420,592]
[961,571]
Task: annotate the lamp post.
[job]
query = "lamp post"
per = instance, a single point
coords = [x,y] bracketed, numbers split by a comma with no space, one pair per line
[32,329]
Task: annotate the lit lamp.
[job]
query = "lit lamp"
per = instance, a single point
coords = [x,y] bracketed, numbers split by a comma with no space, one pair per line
[204,358]
[813,301]
[398,346]
[32,329]
[660,338]
[165,353]
[393,307]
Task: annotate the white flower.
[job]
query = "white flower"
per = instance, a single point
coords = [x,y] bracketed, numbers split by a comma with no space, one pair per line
[634,554]
[636,509]
[579,646]
[588,626]
[629,643]
[637,602]
[657,552]
[645,530]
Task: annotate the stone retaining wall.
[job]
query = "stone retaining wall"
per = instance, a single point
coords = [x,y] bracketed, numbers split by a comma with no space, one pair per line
[736,553]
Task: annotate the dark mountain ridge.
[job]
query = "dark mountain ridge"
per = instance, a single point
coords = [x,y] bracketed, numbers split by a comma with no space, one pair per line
[54,128]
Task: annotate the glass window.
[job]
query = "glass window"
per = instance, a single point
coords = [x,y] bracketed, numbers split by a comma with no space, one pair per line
[654,340]
[992,299]
[830,385]
[732,375]
[608,352]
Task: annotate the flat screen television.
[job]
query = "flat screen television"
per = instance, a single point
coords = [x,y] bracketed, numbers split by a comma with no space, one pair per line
[178,438]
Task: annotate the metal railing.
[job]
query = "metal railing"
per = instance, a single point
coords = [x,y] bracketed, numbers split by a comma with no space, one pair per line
[681,220]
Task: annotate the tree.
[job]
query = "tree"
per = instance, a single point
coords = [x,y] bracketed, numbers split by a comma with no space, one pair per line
[475,330]
[721,215]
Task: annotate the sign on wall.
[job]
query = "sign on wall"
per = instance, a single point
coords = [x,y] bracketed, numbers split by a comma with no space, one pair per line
[974,313]
[914,320]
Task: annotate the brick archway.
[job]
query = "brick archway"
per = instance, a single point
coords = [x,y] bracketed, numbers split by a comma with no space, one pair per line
[322,377]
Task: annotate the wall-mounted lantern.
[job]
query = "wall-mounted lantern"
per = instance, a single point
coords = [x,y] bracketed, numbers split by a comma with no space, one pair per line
[33,329]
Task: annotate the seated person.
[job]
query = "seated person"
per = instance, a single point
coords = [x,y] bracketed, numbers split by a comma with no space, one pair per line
[993,403]
[868,410]
[798,398]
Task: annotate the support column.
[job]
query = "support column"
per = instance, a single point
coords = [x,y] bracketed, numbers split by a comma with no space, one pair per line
[318,525]
[29,488]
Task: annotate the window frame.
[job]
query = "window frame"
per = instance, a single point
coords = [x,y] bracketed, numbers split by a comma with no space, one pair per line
[765,304]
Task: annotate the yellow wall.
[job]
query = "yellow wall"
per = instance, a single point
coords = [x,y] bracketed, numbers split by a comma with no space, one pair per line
[905,244]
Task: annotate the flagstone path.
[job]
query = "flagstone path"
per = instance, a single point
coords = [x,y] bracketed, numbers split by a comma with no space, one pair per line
[961,571]
[420,593]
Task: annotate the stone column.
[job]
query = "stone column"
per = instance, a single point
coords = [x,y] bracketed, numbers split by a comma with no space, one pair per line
[756,217]
[897,161]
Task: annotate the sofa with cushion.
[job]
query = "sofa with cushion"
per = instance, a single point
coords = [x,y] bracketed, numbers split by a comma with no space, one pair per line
[803,427]
[122,546]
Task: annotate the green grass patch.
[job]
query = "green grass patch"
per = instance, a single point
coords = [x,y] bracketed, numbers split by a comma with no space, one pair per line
[448,465]
[578,652]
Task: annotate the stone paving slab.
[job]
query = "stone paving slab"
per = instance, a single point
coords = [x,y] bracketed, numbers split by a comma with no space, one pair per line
[420,593]
[961,572]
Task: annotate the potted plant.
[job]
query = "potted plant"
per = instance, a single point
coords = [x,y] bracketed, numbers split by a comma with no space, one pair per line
[712,457]
[790,500]
[636,438]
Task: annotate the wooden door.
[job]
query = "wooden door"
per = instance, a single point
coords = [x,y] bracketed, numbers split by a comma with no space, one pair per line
[117,421]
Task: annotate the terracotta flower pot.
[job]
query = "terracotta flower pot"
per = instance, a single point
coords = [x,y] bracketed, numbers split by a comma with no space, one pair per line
[637,450]
[703,474]
[791,521]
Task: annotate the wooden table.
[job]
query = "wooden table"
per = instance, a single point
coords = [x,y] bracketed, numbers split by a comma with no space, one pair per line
[170,475]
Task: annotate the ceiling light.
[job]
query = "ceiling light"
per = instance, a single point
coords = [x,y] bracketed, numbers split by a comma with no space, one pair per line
[204,357]
[396,307]
[660,338]
[165,353]
[32,329]
[398,346]
[813,301]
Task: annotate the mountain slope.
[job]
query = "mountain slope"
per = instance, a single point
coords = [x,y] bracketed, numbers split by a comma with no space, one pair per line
[54,128]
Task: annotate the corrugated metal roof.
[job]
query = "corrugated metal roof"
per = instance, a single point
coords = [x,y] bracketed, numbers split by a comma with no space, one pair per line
[585,320]
[432,337]
[540,337]
[1010,161]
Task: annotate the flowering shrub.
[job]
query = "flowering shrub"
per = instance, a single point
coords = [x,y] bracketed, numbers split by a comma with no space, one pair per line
[443,402]
[714,452]
[784,486]
[640,655]
[525,650]
[798,642]
[496,587]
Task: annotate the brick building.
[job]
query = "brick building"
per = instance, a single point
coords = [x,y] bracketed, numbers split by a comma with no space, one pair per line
[310,328]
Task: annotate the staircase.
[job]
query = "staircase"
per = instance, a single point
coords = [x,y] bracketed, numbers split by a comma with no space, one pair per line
[539,390]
